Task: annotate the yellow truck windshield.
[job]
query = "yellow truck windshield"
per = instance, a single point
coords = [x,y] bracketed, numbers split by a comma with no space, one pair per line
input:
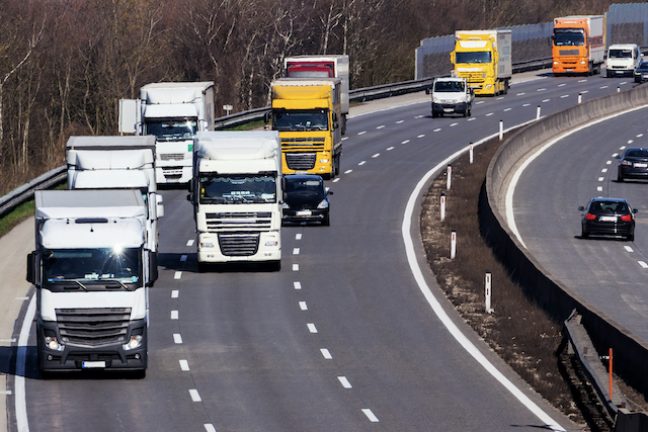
[473,57]
[284,120]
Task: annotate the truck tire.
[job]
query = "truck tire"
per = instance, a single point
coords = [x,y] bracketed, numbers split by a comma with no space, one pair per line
[608,74]
[336,164]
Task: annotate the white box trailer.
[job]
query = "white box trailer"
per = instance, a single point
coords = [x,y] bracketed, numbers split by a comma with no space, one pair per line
[174,112]
[92,270]
[117,162]
[237,197]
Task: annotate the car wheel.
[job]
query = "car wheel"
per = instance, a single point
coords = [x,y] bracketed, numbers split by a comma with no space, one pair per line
[434,115]
[620,178]
[584,234]
[202,267]
[326,221]
[608,74]
[638,81]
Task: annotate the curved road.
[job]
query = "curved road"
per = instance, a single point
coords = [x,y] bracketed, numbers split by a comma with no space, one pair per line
[341,339]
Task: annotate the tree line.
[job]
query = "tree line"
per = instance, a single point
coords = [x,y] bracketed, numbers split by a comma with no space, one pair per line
[65,64]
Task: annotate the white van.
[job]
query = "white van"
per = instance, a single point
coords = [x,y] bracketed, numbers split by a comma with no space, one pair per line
[622,59]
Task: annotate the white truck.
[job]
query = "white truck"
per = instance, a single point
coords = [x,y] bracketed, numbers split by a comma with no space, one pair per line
[323,66]
[622,59]
[91,269]
[237,195]
[174,112]
[117,162]
[451,95]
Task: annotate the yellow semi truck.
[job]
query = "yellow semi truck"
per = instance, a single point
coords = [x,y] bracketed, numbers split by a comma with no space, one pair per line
[307,114]
[483,58]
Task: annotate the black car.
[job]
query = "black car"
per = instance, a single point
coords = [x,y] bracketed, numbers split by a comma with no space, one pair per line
[641,72]
[608,216]
[305,199]
[633,164]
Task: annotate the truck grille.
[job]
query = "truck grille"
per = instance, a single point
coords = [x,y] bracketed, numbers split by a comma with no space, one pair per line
[93,327]
[172,156]
[301,161]
[302,143]
[238,245]
[172,173]
[239,221]
[569,52]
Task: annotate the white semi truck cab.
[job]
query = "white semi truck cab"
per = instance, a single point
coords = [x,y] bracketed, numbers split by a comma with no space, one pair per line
[237,195]
[92,270]
[117,162]
[174,112]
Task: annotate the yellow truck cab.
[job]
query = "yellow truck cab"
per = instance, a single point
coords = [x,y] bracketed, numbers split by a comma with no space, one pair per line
[307,114]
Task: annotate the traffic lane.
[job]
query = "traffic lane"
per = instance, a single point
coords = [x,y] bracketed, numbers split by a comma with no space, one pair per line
[603,272]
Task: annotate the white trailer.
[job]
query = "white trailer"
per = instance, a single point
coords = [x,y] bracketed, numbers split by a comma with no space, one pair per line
[237,197]
[117,162]
[92,270]
[174,112]
[323,66]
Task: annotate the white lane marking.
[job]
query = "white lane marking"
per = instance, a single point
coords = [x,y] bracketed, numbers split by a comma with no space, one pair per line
[585,92]
[183,258]
[174,314]
[437,130]
[623,82]
[520,94]
[344,381]
[420,136]
[601,179]
[639,135]
[643,264]
[628,249]
[362,163]
[303,306]
[22,422]
[564,96]
[311,328]
[507,109]
[295,251]
[526,104]
[335,180]
[405,141]
[562,85]
[472,119]
[390,148]
[489,114]
[177,338]
[615,155]
[380,127]
[297,285]
[436,306]
[326,354]
[604,170]
[582,80]
[630,141]
[500,98]
[599,188]
[418,117]
[190,242]
[298,236]
[345,138]
[546,100]
[177,275]
[209,427]
[22,298]
[184,365]
[400,121]
[541,89]
[479,102]
[295,267]
[375,155]
[362,132]
[608,163]
[195,396]
[603,87]
[622,148]
[370,415]
[453,124]
[349,171]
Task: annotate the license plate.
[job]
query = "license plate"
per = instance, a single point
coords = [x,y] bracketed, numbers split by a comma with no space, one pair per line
[304,213]
[448,109]
[641,165]
[93,364]
[608,219]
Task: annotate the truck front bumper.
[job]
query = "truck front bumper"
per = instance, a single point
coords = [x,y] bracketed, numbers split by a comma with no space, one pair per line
[173,174]
[442,108]
[239,247]
[570,66]
[72,357]
[312,162]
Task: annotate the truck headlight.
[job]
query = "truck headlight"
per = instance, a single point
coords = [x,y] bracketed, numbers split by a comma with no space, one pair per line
[324,161]
[583,62]
[206,245]
[556,62]
[272,243]
[51,342]
[134,342]
[323,205]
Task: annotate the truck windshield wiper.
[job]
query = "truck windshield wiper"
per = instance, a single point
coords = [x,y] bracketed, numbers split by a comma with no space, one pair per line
[72,283]
[115,283]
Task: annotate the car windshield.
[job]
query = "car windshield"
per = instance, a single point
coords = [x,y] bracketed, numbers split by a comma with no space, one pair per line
[297,186]
[238,189]
[636,153]
[643,66]
[569,37]
[609,207]
[300,120]
[620,53]
[449,86]
[92,269]
[171,129]
[473,57]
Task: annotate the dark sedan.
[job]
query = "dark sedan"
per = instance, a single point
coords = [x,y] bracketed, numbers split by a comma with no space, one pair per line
[641,72]
[633,164]
[305,199]
[608,216]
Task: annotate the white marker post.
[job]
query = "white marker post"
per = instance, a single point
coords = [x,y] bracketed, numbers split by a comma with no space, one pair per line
[487,292]
[228,109]
[471,153]
[501,130]
[453,244]
[580,98]
[538,111]
[442,207]
[449,177]
[618,89]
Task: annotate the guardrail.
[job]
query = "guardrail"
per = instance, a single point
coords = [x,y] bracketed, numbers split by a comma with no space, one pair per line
[25,192]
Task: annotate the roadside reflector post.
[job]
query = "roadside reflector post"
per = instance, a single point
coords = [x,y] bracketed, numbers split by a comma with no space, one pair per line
[470,152]
[580,98]
[618,89]
[487,292]
[442,207]
[453,244]
[449,177]
[538,111]
[501,130]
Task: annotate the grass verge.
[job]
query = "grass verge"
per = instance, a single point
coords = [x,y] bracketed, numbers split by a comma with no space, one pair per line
[17,215]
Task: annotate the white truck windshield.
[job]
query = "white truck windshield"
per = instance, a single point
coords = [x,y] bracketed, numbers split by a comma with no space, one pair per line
[171,129]
[620,53]
[238,189]
[300,120]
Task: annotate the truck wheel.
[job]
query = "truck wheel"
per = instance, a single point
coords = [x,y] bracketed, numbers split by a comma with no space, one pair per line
[336,165]
[608,74]
[202,267]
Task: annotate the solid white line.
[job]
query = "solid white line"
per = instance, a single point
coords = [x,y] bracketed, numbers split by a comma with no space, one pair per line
[643,264]
[375,155]
[344,381]
[362,163]
[562,85]
[184,365]
[628,248]
[177,275]
[370,415]
[526,104]
[400,121]
[453,124]
[437,130]
[22,422]
[420,136]
[489,114]
[564,96]
[604,170]
[177,338]
[183,258]
[546,100]
[335,180]
[295,267]
[599,188]
[297,285]
[380,127]
[438,309]
[298,236]
[209,427]
[326,354]
[507,109]
[601,179]
[311,328]
[362,132]
[345,138]
[195,396]
[405,142]
[175,293]
[190,242]
[349,171]
[174,314]
[295,251]
[390,148]
[303,306]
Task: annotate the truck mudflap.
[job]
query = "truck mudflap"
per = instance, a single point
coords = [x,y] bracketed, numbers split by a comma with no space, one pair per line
[70,356]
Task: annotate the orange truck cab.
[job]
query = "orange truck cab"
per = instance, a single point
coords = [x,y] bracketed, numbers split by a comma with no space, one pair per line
[578,44]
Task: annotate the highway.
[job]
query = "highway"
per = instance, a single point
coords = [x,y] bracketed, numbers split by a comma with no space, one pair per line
[342,338]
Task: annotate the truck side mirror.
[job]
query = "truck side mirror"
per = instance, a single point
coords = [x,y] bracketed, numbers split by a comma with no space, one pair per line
[266,117]
[33,265]
[427,90]
[159,202]
[335,120]
[152,267]
[453,57]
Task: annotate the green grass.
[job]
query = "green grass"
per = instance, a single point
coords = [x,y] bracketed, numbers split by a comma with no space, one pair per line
[17,215]
[257,124]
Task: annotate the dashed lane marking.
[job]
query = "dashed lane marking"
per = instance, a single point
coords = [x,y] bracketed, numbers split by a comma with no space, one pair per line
[472,119]
[303,306]
[437,130]
[326,353]
[400,121]
[599,188]
[604,170]
[405,141]
[546,100]
[603,87]
[564,96]
[344,381]
[601,179]
[541,89]
[380,127]
[622,148]
[297,285]
[420,136]
[195,396]
[507,109]
[500,98]
[370,415]
[184,365]
[311,328]
[190,242]
[296,251]
[335,180]
[562,85]
[345,138]
[362,132]
[615,155]
[582,80]
[349,171]
[526,104]
[177,338]
[209,427]
[520,94]
[630,141]
[375,155]
[177,275]
[453,124]
[295,267]
[608,163]
[174,314]
[639,135]
[298,236]
[479,102]
[643,264]
[390,148]
[489,114]
[362,163]
[628,249]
